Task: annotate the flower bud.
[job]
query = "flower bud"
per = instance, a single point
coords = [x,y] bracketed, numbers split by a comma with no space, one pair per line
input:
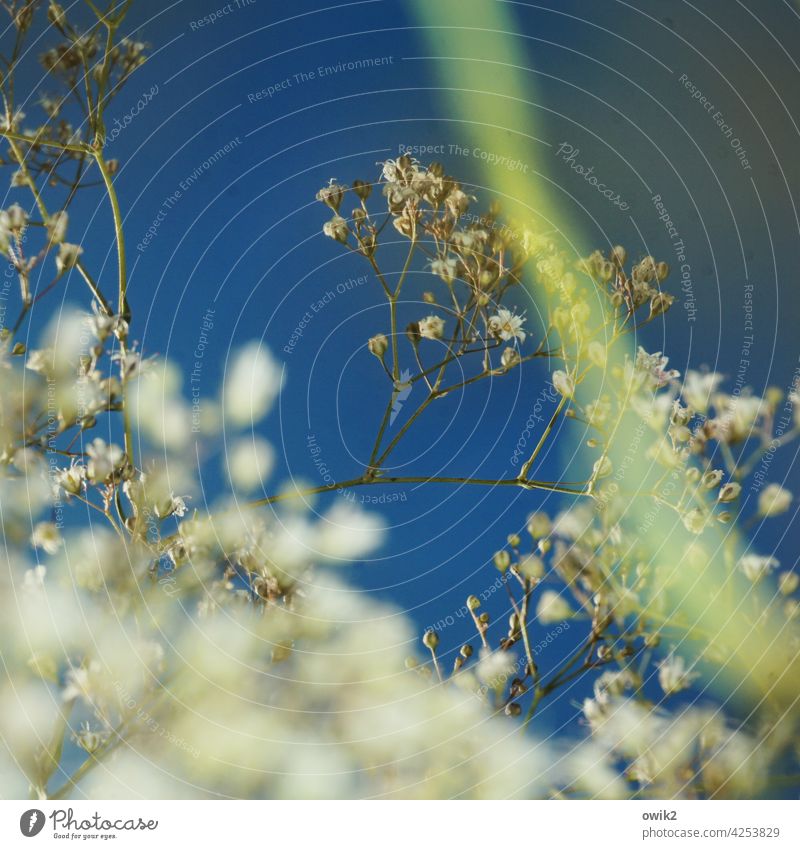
[538,525]
[473,603]
[563,383]
[466,651]
[430,640]
[378,345]
[510,358]
[513,709]
[361,189]
[502,560]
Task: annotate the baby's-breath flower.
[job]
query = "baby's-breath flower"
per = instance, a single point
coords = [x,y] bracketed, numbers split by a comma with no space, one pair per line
[250,462]
[71,479]
[774,500]
[655,367]
[552,607]
[104,460]
[539,525]
[756,567]
[47,537]
[563,383]
[510,358]
[507,326]
[57,226]
[597,353]
[788,582]
[673,676]
[446,268]
[251,385]
[68,256]
[695,520]
[89,740]
[332,194]
[336,229]
[378,345]
[431,327]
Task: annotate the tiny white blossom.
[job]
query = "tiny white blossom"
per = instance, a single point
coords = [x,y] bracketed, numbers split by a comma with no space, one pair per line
[104,460]
[673,676]
[47,537]
[506,325]
[563,383]
[774,500]
[68,256]
[756,567]
[552,607]
[431,327]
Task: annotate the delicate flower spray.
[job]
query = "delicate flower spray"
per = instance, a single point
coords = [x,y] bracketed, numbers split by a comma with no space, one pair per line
[157,649]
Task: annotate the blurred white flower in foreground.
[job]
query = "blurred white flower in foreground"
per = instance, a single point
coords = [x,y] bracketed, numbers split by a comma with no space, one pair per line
[252,383]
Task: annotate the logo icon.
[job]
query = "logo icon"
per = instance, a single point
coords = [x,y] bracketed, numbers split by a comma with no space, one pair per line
[31,822]
[402,389]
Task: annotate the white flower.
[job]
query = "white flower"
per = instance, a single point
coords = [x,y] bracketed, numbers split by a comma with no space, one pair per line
[698,388]
[348,533]
[251,385]
[175,505]
[655,366]
[756,567]
[250,463]
[57,226]
[506,326]
[17,217]
[446,268]
[563,383]
[104,460]
[774,500]
[47,537]
[694,520]
[68,256]
[495,668]
[431,327]
[552,608]
[673,676]
[510,358]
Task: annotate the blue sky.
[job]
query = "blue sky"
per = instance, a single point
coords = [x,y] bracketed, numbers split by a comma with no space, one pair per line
[242,235]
